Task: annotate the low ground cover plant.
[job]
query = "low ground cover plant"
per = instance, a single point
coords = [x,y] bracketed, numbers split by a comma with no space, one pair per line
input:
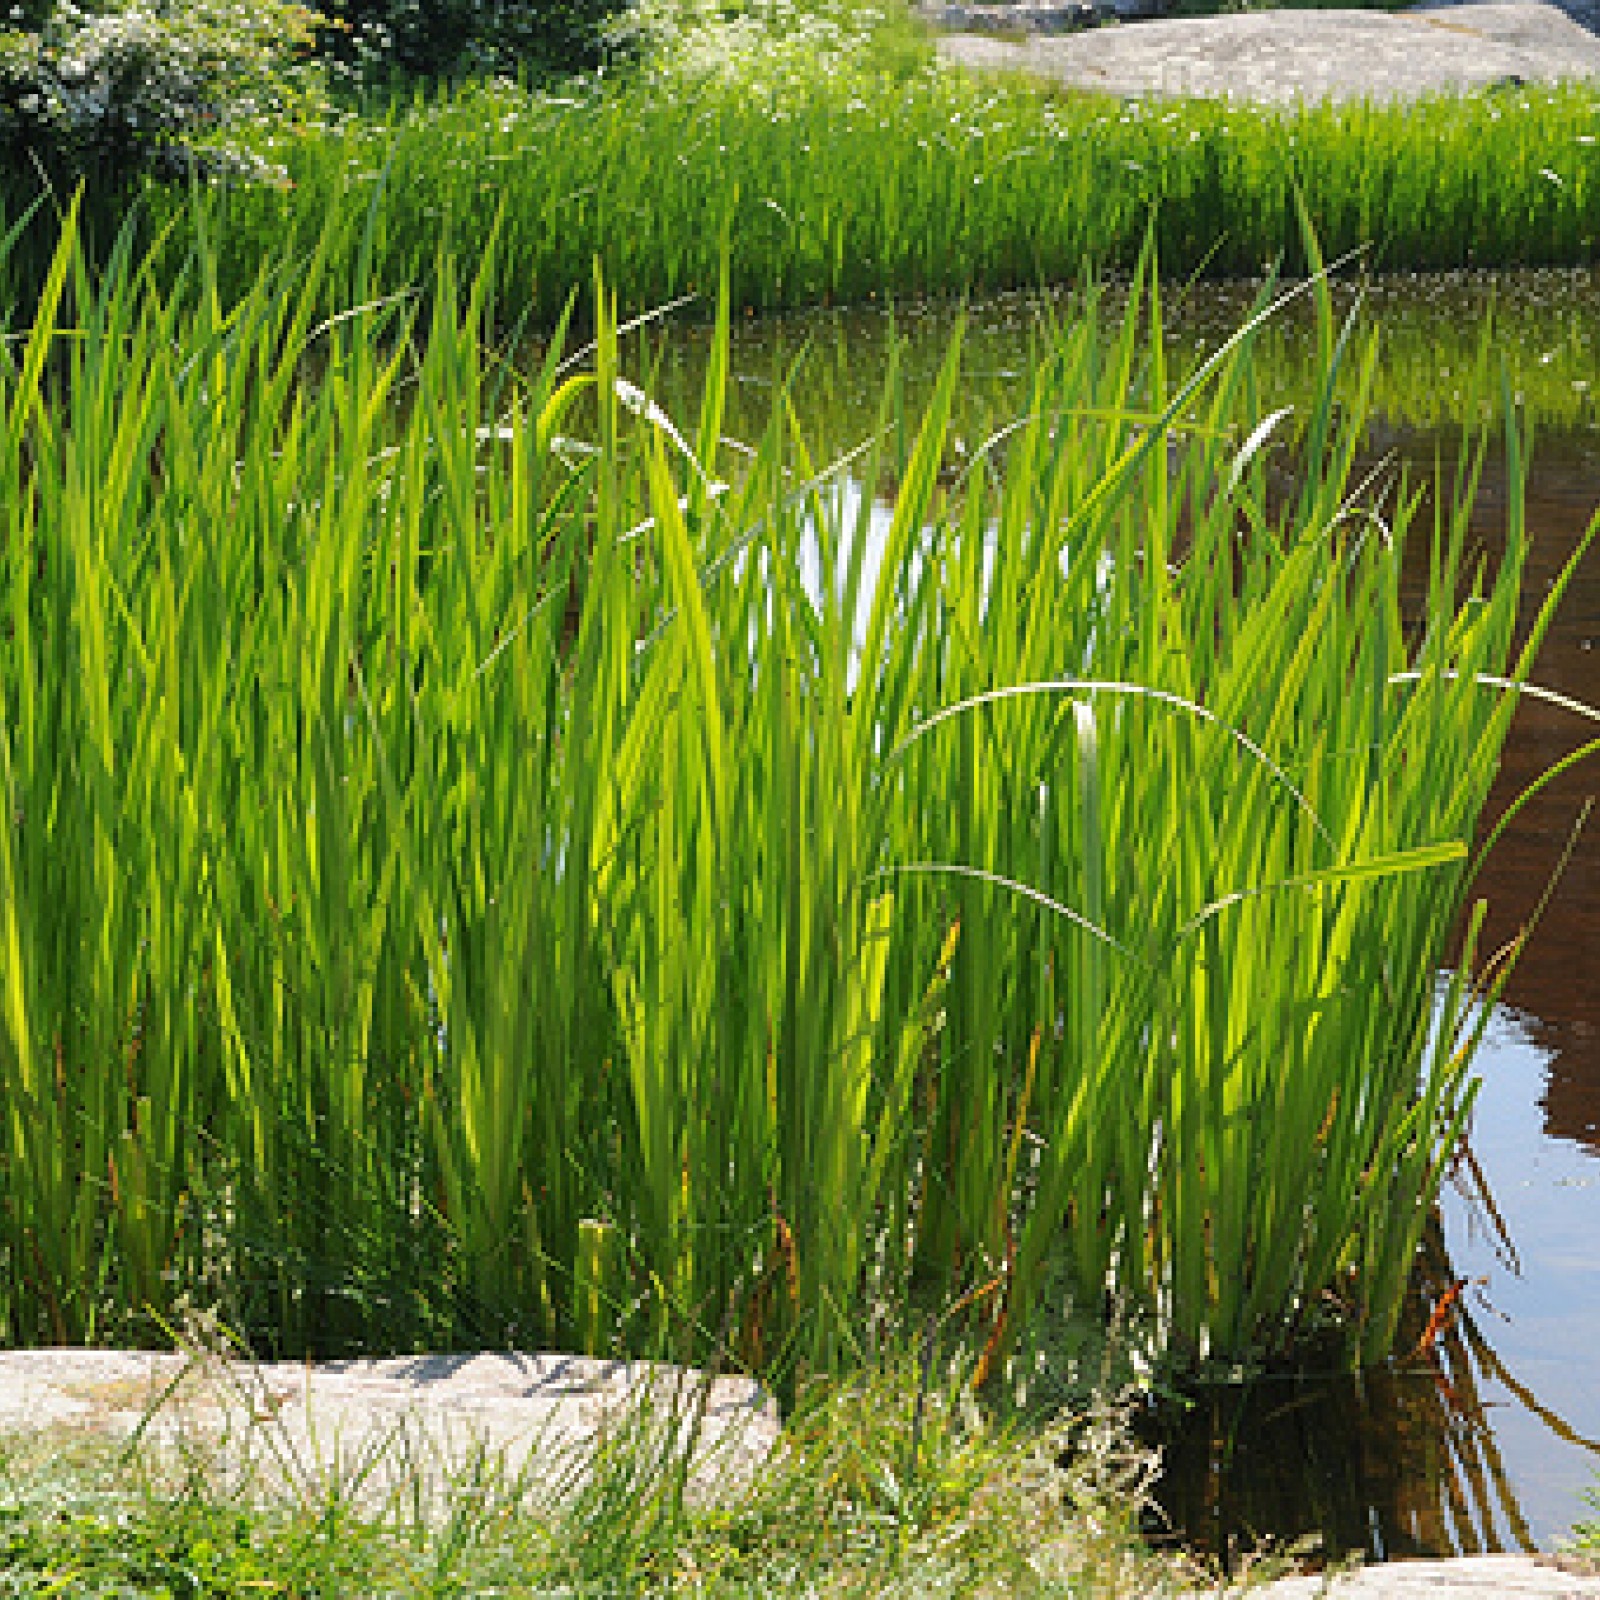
[883,1487]
[492,863]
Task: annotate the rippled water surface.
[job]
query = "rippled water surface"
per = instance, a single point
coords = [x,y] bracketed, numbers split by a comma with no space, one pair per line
[1490,1444]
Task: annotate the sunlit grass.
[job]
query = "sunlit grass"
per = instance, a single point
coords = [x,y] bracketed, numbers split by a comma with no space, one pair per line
[892,1480]
[491,863]
[842,181]
[885,1486]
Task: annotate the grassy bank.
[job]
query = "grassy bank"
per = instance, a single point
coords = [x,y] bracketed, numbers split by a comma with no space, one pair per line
[836,181]
[833,161]
[874,1493]
[491,863]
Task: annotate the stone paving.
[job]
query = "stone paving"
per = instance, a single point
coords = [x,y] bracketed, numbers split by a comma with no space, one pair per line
[1469,1578]
[383,1428]
[1280,57]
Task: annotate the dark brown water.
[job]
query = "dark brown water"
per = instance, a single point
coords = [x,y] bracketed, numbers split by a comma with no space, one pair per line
[1490,1443]
[1489,1439]
[1558,986]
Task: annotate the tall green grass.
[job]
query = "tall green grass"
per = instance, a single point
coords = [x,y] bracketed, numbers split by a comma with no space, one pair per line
[463,883]
[827,154]
[848,182]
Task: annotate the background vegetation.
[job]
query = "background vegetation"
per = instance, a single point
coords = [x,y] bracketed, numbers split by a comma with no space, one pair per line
[399,41]
[832,160]
[850,184]
[109,92]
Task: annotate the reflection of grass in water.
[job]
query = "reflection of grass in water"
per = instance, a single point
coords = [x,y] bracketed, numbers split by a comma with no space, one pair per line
[1444,341]
[1402,1463]
[462,890]
[1470,1505]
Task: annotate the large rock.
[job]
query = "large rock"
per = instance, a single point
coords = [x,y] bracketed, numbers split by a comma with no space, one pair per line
[406,1426]
[1280,57]
[1501,1577]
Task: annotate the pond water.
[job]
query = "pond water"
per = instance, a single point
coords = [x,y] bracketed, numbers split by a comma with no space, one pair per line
[1491,1447]
[1491,1444]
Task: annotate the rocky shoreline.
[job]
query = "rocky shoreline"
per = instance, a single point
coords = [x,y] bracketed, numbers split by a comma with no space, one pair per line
[1280,57]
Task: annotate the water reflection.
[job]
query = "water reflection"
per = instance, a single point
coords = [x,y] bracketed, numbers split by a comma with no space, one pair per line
[1400,1462]
[1440,334]
[1538,1311]
[1490,1446]
[1482,1434]
[1557,983]
[1571,1097]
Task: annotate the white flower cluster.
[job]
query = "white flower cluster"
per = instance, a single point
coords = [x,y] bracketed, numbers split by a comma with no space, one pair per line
[763,46]
[131,79]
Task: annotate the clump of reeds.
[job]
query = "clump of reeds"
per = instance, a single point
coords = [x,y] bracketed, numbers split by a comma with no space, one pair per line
[485,861]
[851,175]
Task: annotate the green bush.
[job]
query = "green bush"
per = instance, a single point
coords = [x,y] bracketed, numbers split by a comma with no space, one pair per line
[431,39]
[110,91]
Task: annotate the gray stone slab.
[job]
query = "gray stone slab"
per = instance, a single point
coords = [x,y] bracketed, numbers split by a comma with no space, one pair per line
[381,1429]
[1280,57]
[1480,1577]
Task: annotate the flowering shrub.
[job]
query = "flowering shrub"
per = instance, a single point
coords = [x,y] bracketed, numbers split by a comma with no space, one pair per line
[143,83]
[776,50]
